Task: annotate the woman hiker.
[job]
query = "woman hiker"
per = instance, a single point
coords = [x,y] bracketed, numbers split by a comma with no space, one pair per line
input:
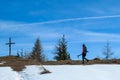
[84,52]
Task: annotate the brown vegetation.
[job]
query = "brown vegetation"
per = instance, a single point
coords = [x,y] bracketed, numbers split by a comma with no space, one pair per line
[19,63]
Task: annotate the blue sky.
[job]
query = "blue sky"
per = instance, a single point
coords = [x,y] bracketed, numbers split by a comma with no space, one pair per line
[92,22]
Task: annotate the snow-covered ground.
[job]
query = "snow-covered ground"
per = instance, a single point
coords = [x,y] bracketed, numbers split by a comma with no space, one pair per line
[63,72]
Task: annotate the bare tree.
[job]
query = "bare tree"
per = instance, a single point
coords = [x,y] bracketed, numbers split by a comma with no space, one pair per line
[107,51]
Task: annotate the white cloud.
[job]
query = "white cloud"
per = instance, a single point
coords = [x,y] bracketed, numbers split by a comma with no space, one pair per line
[46,35]
[16,26]
[49,47]
[12,26]
[43,31]
[75,19]
[89,36]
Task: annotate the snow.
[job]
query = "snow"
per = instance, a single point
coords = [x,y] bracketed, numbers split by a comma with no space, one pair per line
[6,73]
[63,72]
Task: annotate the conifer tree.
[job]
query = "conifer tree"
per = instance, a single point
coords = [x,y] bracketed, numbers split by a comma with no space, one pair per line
[37,52]
[61,50]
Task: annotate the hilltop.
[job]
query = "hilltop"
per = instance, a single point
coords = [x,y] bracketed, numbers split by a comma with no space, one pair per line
[18,63]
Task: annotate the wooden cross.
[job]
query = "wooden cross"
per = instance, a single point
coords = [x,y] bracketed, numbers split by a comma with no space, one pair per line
[9,44]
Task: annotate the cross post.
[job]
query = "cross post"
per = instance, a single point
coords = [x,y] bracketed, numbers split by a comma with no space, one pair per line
[9,45]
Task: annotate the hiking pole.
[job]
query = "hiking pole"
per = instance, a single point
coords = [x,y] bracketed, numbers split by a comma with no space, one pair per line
[79,56]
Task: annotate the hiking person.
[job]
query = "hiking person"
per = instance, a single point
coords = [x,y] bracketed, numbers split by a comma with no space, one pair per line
[84,52]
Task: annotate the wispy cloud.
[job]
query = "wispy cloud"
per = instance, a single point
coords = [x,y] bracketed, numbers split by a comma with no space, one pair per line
[102,34]
[89,36]
[44,32]
[12,26]
[46,35]
[75,19]
[16,25]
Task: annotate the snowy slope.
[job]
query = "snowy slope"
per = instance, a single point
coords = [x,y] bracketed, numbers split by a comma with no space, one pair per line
[6,73]
[64,72]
